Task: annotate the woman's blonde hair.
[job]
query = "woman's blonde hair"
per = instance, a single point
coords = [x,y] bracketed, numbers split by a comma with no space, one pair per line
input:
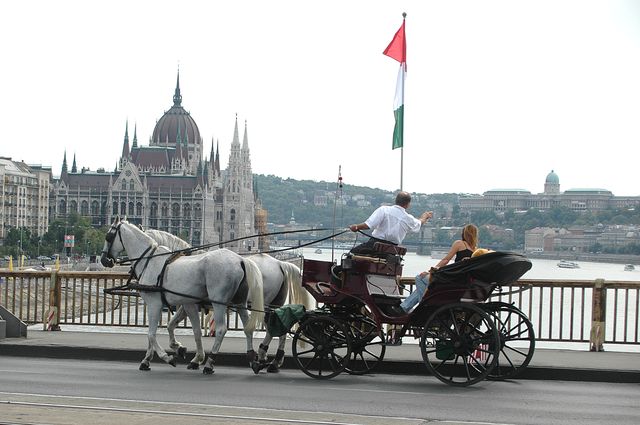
[470,235]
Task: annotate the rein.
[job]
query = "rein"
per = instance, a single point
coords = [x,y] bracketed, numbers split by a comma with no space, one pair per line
[187,251]
[158,287]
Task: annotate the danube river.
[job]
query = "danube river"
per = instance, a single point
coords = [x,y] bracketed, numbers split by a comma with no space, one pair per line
[542,269]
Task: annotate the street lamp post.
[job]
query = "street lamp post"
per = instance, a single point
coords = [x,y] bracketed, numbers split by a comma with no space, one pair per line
[20,252]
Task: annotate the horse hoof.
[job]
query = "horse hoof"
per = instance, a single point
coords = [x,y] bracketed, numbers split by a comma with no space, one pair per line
[252,356]
[144,367]
[256,367]
[193,366]
[273,368]
[172,361]
[207,371]
[182,352]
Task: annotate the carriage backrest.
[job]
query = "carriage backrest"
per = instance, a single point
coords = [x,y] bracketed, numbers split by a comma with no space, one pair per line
[387,248]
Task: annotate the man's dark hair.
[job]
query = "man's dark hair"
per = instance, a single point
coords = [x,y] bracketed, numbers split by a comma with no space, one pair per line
[403,198]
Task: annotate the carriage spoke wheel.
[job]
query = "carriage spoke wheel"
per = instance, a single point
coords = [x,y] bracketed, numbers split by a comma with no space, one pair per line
[517,339]
[321,346]
[367,346]
[460,344]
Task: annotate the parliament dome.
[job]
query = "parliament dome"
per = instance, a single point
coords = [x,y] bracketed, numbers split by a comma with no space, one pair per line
[177,125]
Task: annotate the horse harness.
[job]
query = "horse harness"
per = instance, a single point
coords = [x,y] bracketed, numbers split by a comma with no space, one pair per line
[110,237]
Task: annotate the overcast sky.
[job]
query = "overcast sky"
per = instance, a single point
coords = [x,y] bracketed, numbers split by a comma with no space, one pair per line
[498,93]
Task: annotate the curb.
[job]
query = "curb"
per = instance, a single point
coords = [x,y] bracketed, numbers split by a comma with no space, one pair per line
[240,360]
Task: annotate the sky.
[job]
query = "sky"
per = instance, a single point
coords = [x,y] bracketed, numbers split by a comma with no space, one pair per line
[498,93]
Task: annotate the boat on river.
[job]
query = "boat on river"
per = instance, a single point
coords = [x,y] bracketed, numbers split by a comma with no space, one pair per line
[629,268]
[318,251]
[566,264]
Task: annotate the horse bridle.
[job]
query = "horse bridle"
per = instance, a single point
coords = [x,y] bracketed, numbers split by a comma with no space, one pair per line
[109,238]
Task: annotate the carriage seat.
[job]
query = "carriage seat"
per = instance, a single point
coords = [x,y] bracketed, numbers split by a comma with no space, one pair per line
[321,288]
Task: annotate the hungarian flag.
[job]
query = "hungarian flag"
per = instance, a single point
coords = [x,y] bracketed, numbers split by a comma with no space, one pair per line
[397,50]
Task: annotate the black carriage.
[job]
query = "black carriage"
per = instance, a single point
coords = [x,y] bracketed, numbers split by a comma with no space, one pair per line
[462,337]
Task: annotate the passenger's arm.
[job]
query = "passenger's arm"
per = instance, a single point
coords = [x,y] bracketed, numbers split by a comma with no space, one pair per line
[449,256]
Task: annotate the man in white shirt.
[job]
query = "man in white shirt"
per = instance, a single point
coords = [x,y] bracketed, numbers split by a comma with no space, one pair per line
[390,224]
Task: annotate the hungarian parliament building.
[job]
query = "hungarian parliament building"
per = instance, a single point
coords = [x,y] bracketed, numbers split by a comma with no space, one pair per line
[168,185]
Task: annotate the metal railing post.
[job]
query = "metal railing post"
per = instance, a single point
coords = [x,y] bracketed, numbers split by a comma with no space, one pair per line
[52,322]
[598,314]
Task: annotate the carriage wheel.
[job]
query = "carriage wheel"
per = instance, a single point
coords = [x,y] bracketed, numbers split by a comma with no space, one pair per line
[517,339]
[460,344]
[321,346]
[367,346]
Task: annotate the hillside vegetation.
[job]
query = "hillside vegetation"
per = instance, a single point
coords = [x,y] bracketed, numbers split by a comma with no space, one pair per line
[324,203]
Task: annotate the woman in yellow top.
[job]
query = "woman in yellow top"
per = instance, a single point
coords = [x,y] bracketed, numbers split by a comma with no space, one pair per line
[461,249]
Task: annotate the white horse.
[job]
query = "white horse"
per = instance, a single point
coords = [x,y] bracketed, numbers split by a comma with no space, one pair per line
[218,277]
[281,279]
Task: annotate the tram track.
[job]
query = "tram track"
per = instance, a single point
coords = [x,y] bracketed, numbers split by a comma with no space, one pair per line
[40,409]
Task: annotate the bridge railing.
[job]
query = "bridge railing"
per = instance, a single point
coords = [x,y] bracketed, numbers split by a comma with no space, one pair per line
[594,312]
[589,311]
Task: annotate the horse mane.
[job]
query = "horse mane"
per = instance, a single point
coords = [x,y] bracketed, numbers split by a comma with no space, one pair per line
[167,239]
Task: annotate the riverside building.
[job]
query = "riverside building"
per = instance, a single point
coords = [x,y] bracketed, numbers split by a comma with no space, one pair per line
[24,197]
[501,200]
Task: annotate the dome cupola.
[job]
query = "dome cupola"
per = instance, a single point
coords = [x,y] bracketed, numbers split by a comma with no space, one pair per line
[552,184]
[178,127]
[552,178]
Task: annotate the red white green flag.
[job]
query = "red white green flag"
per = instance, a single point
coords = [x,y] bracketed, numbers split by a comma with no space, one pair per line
[397,50]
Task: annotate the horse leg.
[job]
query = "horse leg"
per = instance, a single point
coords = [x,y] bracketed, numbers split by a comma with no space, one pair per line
[261,362]
[154,310]
[264,348]
[192,311]
[144,364]
[220,317]
[179,349]
[278,360]
[209,324]
[252,356]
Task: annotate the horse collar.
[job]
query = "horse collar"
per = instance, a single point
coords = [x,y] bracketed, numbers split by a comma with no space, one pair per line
[151,248]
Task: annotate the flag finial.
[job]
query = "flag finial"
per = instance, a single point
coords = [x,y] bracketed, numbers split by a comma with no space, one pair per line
[404,15]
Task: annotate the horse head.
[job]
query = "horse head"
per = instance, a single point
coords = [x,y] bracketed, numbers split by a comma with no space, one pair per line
[107,256]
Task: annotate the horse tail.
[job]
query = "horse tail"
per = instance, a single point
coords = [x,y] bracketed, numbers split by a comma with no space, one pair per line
[293,277]
[253,277]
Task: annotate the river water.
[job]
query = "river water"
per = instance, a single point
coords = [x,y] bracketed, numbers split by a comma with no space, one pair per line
[541,269]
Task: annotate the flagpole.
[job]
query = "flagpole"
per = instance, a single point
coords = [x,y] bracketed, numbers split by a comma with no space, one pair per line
[404,17]
[397,50]
[401,165]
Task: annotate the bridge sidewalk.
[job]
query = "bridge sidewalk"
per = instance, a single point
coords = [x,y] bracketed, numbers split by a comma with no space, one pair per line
[130,345]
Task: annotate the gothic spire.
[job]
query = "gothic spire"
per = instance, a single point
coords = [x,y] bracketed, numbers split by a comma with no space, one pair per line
[135,136]
[179,152]
[205,170]
[63,172]
[177,97]
[245,140]
[212,155]
[217,158]
[236,138]
[125,145]
[74,168]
